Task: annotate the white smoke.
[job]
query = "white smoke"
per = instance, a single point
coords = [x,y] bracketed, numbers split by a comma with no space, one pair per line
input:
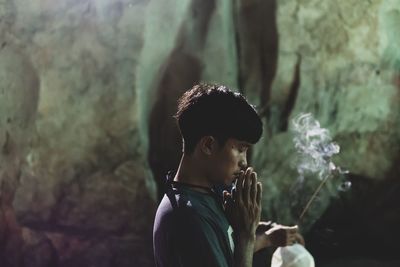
[315,150]
[315,147]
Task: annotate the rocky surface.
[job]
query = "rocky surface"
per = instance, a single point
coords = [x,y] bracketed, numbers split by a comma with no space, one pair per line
[334,64]
[87,94]
[75,189]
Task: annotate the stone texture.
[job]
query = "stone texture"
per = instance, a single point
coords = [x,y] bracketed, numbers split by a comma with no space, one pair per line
[74,170]
[348,78]
[346,81]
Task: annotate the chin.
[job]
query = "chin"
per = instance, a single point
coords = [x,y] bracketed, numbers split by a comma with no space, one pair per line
[226,182]
[231,181]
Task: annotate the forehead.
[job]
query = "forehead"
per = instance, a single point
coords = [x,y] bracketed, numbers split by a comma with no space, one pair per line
[236,142]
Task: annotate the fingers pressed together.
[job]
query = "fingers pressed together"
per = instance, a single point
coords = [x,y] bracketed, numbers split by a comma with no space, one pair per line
[248,190]
[246,207]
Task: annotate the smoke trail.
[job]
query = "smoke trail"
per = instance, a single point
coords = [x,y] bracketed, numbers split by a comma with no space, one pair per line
[315,147]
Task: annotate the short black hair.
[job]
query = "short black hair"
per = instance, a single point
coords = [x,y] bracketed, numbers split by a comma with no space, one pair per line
[215,110]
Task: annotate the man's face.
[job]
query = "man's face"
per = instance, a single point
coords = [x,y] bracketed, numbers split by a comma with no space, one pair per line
[229,160]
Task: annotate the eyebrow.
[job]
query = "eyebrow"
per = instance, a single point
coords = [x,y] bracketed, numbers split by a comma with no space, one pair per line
[245,144]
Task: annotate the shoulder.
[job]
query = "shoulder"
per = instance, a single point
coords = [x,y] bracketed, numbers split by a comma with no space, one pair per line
[179,210]
[174,206]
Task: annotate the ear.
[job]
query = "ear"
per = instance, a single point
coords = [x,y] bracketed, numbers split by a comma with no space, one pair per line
[207,145]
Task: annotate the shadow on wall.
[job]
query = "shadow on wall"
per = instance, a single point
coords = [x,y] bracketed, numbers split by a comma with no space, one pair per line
[256,40]
[182,69]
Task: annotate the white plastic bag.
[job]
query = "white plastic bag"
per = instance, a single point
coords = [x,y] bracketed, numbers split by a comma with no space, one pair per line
[292,256]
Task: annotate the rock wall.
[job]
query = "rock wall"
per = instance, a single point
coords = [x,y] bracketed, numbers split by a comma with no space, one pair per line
[88,89]
[75,186]
[334,62]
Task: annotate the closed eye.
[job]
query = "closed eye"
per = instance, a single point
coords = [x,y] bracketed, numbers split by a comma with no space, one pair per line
[243,148]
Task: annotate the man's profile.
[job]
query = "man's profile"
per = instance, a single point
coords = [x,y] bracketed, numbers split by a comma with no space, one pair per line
[194,224]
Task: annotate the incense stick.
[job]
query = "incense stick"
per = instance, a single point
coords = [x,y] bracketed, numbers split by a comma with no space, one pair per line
[313,197]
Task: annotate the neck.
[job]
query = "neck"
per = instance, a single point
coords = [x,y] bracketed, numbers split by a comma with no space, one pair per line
[190,172]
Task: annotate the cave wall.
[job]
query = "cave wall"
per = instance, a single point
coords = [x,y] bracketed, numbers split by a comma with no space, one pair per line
[76,189]
[88,89]
[338,61]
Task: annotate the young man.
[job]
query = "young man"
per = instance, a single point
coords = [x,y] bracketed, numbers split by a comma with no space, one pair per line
[193,226]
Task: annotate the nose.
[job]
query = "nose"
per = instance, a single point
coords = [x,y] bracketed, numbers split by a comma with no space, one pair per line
[243,163]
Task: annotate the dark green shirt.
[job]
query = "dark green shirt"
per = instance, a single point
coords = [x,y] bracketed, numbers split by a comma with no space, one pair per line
[191,230]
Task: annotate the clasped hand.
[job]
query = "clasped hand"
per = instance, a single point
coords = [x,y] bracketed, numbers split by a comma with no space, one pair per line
[243,204]
[243,210]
